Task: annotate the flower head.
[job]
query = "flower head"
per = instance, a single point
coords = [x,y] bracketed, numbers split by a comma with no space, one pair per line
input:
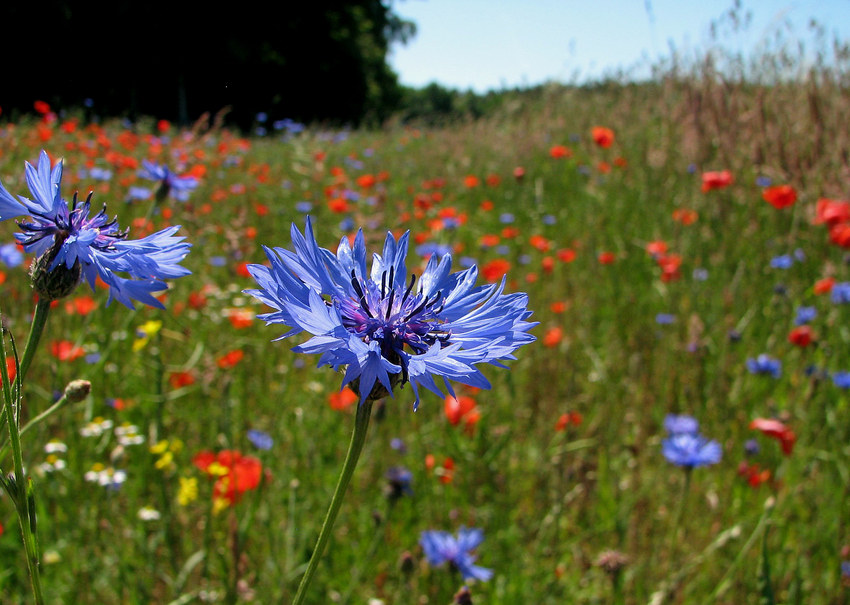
[441,546]
[690,450]
[71,245]
[384,327]
[178,186]
[678,424]
[764,364]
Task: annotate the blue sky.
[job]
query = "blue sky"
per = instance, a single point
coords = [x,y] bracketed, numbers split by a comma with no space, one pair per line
[491,44]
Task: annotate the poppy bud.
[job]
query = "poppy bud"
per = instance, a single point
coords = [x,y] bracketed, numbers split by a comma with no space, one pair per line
[77,390]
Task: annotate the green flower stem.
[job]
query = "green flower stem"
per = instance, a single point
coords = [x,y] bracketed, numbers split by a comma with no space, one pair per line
[39,320]
[20,489]
[358,438]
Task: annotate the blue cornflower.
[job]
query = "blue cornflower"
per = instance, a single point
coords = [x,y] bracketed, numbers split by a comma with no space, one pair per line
[441,546]
[178,186]
[782,262]
[677,424]
[805,315]
[383,327]
[764,364]
[261,440]
[690,450]
[840,293]
[841,379]
[67,239]
[10,255]
[665,319]
[398,482]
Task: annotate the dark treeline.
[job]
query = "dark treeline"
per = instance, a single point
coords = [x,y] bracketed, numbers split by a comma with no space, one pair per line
[307,61]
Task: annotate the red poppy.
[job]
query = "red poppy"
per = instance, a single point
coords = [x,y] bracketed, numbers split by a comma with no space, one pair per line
[824,286]
[366,181]
[686,216]
[470,181]
[540,243]
[548,264]
[839,234]
[456,408]
[780,196]
[338,205]
[65,350]
[568,418]
[493,180]
[447,471]
[754,475]
[235,474]
[669,264]
[181,379]
[801,336]
[81,305]
[606,258]
[777,430]
[656,248]
[831,212]
[604,137]
[716,180]
[560,151]
[340,400]
[566,255]
[519,173]
[495,269]
[603,167]
[240,318]
[230,359]
[41,107]
[558,307]
[11,369]
[553,337]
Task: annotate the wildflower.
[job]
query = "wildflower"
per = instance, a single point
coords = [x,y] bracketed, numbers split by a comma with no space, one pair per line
[398,482]
[462,408]
[261,440]
[380,327]
[169,183]
[822,286]
[187,492]
[840,293]
[831,212]
[690,450]
[65,350]
[777,430]
[560,151]
[128,434]
[604,137]
[235,474]
[764,364]
[568,418]
[441,547]
[801,336]
[96,427]
[780,196]
[606,258]
[230,359]
[51,463]
[754,474]
[783,261]
[70,245]
[148,513]
[342,399]
[681,424]
[105,476]
[841,379]
[805,315]
[665,319]
[716,180]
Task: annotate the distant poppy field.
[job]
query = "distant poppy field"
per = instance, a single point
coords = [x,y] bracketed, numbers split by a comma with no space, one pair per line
[601,338]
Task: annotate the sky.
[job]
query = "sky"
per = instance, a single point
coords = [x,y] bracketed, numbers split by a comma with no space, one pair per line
[493,44]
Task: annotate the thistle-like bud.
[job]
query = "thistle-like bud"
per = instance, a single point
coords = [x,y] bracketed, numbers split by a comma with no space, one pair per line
[77,390]
[463,597]
[59,282]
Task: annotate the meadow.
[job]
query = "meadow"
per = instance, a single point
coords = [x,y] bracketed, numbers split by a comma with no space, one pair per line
[662,284]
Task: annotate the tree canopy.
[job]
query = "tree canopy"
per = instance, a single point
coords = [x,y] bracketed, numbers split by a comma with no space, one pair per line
[307,61]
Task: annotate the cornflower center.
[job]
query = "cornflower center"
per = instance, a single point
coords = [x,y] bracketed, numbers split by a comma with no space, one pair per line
[393,316]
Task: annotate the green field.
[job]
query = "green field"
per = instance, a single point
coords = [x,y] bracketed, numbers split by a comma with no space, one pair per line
[626,336]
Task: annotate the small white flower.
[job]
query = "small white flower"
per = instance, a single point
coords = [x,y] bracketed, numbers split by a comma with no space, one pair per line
[147,513]
[54,446]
